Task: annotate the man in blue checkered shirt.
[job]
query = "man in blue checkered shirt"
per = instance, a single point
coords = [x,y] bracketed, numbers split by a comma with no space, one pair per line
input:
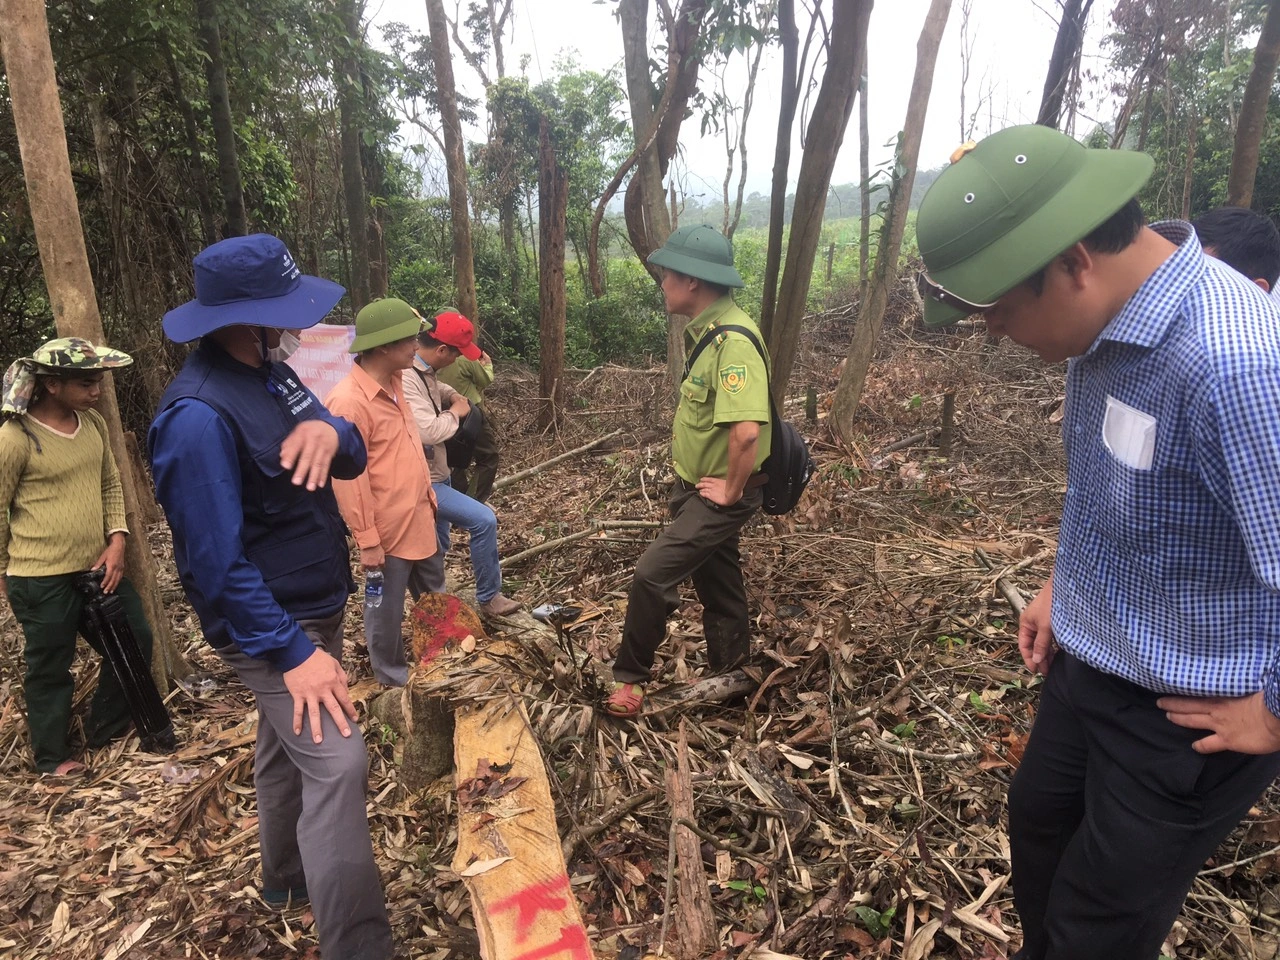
[1159,631]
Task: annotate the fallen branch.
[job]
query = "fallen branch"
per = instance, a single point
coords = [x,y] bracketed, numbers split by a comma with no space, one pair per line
[716,689]
[586,834]
[720,844]
[890,696]
[596,527]
[1007,589]
[538,468]
[902,444]
[861,746]
[695,921]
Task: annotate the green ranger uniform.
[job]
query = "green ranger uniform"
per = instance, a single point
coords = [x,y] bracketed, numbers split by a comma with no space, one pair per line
[469,378]
[728,384]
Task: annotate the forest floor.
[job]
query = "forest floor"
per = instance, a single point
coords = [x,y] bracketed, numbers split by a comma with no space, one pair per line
[890,712]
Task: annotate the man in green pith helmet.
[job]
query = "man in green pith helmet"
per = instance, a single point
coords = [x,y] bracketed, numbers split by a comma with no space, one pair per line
[719,440]
[1158,632]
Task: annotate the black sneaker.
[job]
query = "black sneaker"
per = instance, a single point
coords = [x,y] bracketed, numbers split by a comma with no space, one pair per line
[283,899]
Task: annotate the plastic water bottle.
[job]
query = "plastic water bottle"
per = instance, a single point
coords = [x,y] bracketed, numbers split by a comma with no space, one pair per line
[373,588]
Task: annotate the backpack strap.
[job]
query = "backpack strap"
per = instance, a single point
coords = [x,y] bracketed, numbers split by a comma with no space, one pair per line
[426,386]
[755,342]
[706,341]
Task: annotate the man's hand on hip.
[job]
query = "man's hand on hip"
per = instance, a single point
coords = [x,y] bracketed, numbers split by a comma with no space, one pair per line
[715,490]
[1242,724]
[308,451]
[1035,632]
[320,680]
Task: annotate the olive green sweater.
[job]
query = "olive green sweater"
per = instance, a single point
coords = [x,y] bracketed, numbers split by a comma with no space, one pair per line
[58,503]
[468,377]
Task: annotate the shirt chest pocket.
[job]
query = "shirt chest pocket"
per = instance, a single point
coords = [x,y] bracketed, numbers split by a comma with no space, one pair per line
[697,406]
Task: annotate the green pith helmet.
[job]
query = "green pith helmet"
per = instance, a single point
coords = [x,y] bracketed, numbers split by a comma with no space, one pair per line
[702,252]
[384,321]
[1007,206]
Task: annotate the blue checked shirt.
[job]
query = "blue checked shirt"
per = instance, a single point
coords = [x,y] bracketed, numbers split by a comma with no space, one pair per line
[1168,566]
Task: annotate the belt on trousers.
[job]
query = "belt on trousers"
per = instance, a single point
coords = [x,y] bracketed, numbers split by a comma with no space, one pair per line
[753,481]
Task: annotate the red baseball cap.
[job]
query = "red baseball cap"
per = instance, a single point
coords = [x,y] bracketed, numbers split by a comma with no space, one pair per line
[455,330]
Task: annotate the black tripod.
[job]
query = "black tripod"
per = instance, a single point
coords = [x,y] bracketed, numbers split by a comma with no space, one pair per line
[105,618]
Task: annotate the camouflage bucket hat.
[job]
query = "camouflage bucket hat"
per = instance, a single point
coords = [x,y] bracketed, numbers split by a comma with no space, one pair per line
[1007,206]
[62,357]
[702,252]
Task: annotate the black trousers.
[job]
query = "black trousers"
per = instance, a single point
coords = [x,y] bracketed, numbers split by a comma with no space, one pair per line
[476,481]
[700,542]
[1112,815]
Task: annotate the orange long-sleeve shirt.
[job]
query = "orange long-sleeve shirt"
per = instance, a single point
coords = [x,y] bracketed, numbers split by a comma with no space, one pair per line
[391,504]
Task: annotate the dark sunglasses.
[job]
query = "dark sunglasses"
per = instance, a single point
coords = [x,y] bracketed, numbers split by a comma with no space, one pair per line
[935,291]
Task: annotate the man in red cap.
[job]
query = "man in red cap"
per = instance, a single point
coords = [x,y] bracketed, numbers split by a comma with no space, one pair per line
[439,411]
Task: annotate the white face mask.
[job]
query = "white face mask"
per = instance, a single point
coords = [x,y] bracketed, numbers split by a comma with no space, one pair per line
[289,345]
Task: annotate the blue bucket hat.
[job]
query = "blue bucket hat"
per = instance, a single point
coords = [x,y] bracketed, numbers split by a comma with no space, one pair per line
[251,280]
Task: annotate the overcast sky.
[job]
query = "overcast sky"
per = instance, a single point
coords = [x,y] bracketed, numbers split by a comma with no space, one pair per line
[1011,41]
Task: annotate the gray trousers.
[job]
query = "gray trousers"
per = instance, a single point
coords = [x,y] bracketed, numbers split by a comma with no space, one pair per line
[384,625]
[312,827]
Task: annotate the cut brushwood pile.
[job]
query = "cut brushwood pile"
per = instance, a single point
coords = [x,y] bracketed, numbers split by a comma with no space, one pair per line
[847,785]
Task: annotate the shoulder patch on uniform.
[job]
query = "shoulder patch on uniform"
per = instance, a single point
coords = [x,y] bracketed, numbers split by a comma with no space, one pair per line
[696,380]
[733,377]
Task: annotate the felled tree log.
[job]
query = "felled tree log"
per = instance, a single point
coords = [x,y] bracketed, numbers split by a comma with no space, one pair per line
[508,847]
[458,709]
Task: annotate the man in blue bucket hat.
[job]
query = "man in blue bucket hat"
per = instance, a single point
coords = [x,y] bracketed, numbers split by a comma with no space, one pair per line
[242,453]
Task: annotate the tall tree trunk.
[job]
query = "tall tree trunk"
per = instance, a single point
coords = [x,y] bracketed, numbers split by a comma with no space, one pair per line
[648,223]
[507,197]
[871,312]
[46,166]
[789,37]
[224,130]
[464,271]
[191,130]
[1189,167]
[1062,63]
[1253,111]
[352,138]
[864,185]
[375,186]
[645,209]
[506,201]
[831,111]
[553,196]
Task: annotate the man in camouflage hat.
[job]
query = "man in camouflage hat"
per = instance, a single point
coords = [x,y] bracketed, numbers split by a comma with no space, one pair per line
[1158,633]
[62,513]
[719,440]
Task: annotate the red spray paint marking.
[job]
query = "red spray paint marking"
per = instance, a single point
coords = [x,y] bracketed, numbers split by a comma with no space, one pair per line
[573,941]
[550,895]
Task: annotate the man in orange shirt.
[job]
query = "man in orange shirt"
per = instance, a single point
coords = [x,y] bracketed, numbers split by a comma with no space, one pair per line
[390,508]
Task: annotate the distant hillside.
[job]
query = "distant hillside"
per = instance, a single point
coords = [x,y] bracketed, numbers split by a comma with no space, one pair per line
[842,202]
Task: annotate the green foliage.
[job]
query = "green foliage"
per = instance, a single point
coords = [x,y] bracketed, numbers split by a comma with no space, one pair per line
[748,889]
[1193,89]
[979,705]
[877,922]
